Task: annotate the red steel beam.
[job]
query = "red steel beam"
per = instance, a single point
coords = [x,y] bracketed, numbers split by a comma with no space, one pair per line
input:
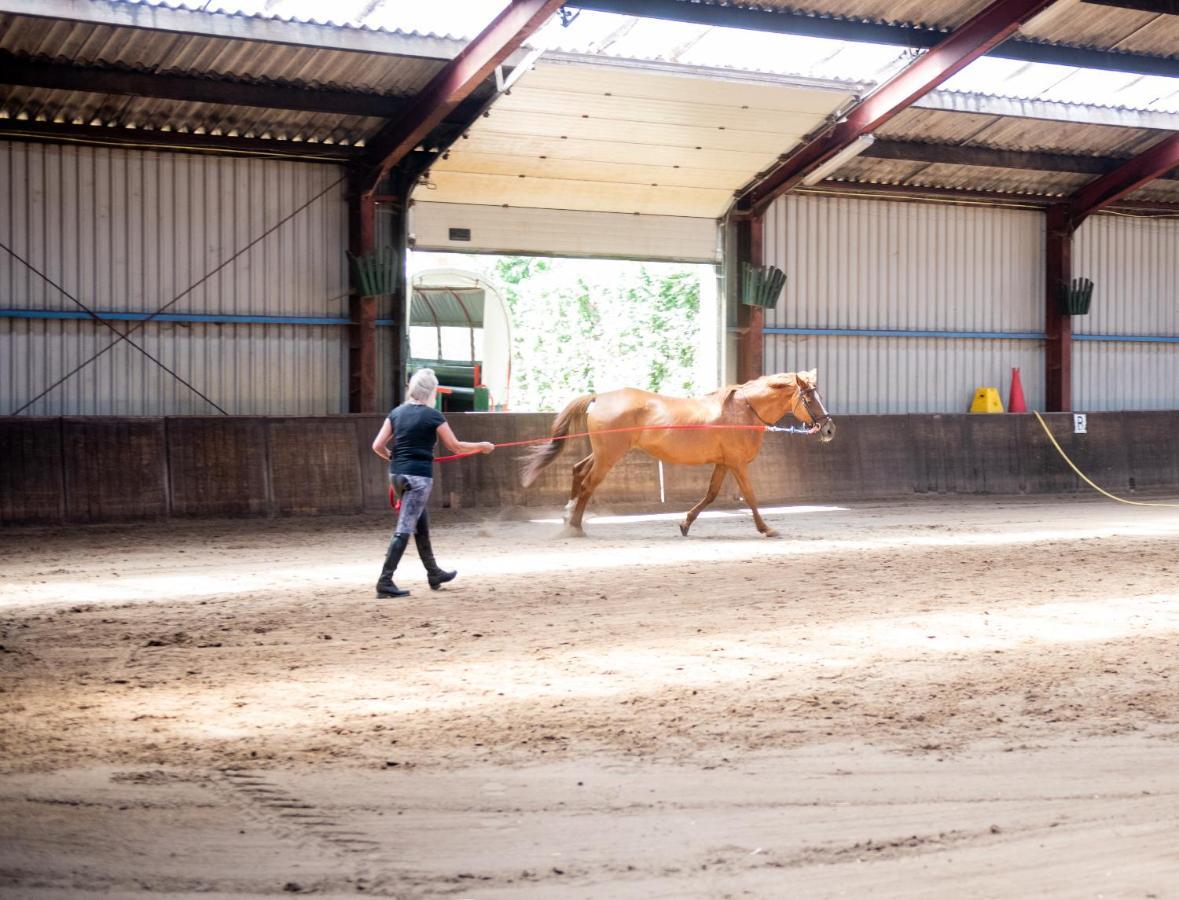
[750,319]
[362,312]
[965,44]
[455,82]
[1130,176]
[1058,327]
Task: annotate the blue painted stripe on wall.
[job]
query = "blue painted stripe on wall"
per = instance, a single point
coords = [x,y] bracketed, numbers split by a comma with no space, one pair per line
[171,317]
[1130,338]
[976,335]
[325,320]
[889,332]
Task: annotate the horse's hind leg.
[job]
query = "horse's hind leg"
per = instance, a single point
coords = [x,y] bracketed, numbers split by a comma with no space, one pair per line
[602,464]
[579,472]
[714,486]
[747,493]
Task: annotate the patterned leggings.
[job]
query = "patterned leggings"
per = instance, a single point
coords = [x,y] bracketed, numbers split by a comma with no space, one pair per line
[414,493]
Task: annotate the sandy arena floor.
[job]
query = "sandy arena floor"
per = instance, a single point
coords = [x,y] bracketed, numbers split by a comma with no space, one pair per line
[961,697]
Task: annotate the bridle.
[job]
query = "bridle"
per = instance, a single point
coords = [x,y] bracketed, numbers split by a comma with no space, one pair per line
[807,396]
[810,395]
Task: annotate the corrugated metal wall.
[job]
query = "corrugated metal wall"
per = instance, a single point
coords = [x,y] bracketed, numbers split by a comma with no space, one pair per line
[129,231]
[879,276]
[1134,264]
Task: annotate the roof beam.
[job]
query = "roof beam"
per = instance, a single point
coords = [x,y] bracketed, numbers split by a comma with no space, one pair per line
[956,155]
[1169,7]
[140,138]
[974,197]
[994,158]
[994,24]
[139,83]
[1128,177]
[786,21]
[455,82]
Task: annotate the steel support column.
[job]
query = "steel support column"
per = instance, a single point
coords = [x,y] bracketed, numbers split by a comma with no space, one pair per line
[750,319]
[1058,327]
[362,310]
[400,298]
[1063,219]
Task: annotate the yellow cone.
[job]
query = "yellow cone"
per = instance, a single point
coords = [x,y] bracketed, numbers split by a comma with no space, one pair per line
[986,400]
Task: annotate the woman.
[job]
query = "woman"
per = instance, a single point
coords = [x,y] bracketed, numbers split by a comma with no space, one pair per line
[415,427]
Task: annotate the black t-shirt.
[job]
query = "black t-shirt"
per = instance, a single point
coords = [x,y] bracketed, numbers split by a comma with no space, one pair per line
[414,433]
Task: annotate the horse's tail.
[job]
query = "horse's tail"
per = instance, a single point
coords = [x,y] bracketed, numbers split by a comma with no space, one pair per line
[571,418]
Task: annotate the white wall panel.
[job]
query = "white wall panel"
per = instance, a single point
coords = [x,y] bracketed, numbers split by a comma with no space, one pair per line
[1134,264]
[130,231]
[869,265]
[498,229]
[886,375]
[1116,375]
[245,369]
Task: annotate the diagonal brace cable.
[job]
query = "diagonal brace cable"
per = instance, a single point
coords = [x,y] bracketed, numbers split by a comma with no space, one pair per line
[97,318]
[125,336]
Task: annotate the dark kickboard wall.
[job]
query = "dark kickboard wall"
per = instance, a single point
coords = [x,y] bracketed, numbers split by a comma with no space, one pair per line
[108,469]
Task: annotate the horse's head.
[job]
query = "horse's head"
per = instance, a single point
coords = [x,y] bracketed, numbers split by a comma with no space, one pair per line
[790,392]
[808,405]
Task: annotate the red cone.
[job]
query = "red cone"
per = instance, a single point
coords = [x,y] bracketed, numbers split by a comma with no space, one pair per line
[1015,401]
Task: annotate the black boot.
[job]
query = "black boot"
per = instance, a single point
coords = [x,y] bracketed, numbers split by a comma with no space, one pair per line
[435,575]
[385,585]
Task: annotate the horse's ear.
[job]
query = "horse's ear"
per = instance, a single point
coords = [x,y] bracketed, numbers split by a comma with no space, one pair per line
[727,394]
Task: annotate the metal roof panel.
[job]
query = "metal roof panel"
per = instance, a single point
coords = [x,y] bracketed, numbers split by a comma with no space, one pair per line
[980,178]
[1014,133]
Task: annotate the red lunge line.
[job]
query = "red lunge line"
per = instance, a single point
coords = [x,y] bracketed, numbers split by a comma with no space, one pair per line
[566,437]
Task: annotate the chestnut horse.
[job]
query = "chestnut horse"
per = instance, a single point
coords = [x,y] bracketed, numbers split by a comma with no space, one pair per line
[646,417]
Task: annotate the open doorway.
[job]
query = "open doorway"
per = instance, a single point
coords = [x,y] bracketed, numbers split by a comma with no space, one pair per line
[579,325]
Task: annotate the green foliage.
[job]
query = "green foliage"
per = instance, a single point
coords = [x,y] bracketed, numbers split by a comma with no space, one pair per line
[596,325]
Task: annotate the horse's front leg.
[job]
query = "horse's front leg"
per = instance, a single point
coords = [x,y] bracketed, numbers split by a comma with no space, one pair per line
[747,492]
[714,486]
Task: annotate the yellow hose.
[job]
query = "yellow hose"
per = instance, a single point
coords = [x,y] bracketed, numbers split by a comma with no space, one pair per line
[1086,478]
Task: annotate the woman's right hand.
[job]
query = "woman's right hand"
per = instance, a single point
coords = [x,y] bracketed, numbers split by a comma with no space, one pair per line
[486,446]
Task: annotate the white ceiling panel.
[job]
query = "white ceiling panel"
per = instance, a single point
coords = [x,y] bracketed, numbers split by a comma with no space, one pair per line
[631,131]
[629,138]
[614,107]
[581,170]
[595,196]
[531,147]
[603,75]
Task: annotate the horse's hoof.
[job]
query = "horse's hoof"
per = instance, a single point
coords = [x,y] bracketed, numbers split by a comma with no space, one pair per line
[769,532]
[684,529]
[570,531]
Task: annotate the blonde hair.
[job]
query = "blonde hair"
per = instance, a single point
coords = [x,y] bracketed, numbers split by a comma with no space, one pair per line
[422,386]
